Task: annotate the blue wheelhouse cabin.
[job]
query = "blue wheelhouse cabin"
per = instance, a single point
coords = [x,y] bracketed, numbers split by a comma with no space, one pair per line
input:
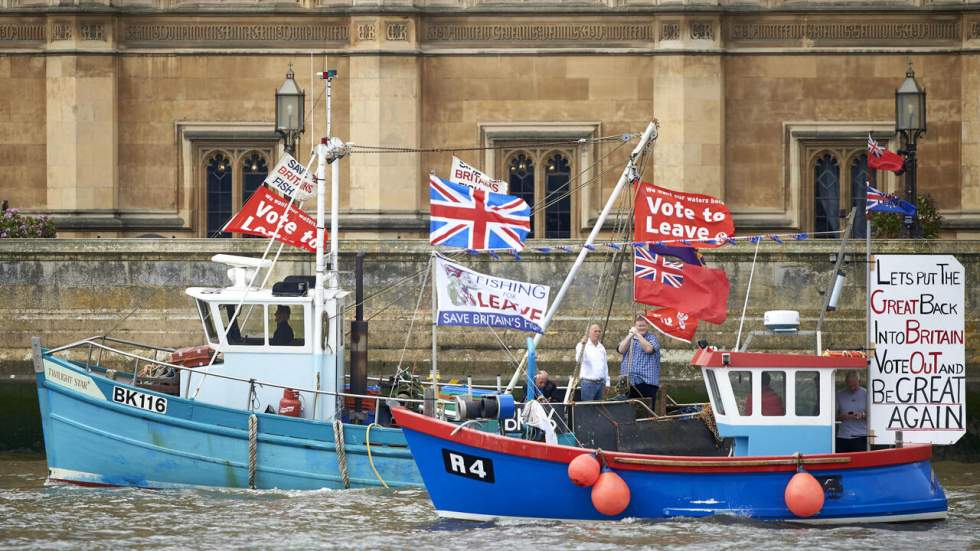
[774,404]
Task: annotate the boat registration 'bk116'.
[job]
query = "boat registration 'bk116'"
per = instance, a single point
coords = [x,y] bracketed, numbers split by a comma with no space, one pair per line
[136,399]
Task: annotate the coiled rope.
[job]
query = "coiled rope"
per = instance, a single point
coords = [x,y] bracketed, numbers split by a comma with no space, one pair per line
[338,440]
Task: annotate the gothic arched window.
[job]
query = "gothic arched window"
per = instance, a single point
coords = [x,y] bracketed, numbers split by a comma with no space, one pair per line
[219,176]
[254,172]
[558,210]
[826,191]
[231,175]
[521,182]
[860,177]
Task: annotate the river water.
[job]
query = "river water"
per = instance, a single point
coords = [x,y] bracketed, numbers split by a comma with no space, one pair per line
[34,515]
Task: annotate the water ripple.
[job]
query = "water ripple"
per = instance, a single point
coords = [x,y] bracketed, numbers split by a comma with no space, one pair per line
[60,517]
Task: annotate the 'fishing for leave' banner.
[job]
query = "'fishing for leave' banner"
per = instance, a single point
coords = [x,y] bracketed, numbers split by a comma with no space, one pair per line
[260,216]
[471,299]
[666,215]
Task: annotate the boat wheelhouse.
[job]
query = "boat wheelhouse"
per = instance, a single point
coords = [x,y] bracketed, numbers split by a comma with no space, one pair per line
[795,393]
[240,323]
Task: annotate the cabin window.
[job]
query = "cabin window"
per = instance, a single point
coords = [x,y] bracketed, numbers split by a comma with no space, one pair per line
[713,388]
[205,310]
[248,329]
[286,325]
[742,389]
[807,393]
[773,395]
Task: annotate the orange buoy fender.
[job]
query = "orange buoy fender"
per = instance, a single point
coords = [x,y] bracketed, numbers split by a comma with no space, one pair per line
[804,495]
[610,494]
[584,470]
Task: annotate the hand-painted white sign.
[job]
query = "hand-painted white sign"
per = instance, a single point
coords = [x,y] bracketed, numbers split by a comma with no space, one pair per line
[468,298]
[462,173]
[291,178]
[918,375]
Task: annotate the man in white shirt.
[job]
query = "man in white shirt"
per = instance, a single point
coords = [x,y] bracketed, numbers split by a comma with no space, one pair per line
[594,375]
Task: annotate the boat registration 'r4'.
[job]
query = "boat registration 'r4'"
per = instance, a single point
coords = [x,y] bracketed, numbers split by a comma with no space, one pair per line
[136,399]
[469,466]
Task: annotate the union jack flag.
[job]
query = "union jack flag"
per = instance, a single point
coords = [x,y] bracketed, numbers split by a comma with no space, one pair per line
[647,265]
[874,148]
[476,219]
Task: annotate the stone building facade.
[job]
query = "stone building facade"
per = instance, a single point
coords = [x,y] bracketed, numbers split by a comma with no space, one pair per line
[132,117]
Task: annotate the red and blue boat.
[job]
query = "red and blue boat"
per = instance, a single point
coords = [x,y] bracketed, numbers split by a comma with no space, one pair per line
[782,466]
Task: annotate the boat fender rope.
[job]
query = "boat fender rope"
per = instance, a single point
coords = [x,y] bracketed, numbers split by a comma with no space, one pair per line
[338,440]
[799,462]
[253,436]
[367,444]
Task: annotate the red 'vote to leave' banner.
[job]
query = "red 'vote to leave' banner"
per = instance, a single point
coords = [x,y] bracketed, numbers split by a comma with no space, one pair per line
[260,216]
[665,215]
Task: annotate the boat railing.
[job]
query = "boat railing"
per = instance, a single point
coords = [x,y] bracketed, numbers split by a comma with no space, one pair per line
[137,359]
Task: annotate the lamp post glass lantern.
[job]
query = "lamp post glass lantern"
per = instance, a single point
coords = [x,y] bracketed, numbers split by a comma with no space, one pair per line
[910,122]
[290,111]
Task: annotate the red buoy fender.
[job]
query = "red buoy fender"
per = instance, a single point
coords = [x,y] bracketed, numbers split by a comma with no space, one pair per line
[610,494]
[804,495]
[584,470]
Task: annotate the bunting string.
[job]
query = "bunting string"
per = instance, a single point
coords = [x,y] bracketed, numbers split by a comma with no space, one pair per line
[613,246]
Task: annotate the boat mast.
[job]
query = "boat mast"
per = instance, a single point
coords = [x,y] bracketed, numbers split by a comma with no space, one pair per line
[629,174]
[329,151]
[836,279]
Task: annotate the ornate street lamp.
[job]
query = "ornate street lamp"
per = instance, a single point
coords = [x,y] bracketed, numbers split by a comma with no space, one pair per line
[910,122]
[290,102]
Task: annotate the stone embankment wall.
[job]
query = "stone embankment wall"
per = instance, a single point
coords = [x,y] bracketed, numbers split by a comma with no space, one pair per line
[65,290]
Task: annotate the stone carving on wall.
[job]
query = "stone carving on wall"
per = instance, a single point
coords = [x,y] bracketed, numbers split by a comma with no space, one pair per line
[702,30]
[974,30]
[61,31]
[92,31]
[537,32]
[670,30]
[866,32]
[366,31]
[17,32]
[395,32]
[165,34]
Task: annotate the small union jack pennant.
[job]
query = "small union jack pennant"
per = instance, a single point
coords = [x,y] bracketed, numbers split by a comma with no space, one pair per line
[879,201]
[656,267]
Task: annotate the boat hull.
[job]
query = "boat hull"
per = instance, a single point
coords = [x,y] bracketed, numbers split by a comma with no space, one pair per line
[529,479]
[152,440]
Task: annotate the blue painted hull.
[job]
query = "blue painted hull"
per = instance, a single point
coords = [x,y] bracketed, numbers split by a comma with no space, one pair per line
[90,439]
[530,479]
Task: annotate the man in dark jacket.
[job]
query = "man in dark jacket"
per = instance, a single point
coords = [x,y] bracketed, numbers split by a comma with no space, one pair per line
[547,388]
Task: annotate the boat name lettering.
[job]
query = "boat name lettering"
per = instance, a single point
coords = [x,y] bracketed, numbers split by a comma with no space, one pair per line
[137,399]
[468,466]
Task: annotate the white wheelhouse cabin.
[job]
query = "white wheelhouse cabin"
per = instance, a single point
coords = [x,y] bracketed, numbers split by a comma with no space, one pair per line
[774,404]
[251,347]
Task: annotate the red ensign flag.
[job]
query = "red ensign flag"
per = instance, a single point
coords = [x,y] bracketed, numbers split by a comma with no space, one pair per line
[698,291]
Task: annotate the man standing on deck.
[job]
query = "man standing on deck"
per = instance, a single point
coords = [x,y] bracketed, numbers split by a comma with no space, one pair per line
[641,361]
[852,412]
[595,369]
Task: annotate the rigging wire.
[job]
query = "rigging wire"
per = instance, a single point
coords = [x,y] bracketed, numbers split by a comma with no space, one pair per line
[355,148]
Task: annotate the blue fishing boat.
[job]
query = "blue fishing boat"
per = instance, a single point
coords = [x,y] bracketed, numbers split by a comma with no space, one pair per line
[260,405]
[782,467]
